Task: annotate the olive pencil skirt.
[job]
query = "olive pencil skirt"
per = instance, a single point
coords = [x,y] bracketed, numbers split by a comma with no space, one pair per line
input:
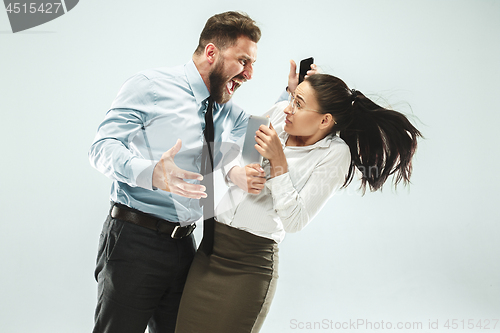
[232,289]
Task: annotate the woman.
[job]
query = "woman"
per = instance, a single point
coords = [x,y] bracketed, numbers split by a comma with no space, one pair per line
[305,163]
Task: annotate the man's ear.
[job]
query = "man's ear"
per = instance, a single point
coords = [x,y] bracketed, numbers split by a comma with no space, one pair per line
[211,52]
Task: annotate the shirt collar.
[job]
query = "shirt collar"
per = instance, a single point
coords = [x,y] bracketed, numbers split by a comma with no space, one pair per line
[323,143]
[197,84]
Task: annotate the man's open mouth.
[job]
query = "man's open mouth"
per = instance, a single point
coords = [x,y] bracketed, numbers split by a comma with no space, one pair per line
[232,85]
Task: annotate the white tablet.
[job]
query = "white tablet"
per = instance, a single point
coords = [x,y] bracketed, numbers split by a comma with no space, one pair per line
[250,154]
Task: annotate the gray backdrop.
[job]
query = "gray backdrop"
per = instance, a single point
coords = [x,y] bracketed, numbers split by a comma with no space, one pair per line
[419,255]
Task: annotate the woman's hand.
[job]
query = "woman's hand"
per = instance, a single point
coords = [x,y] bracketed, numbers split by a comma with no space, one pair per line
[268,143]
[269,146]
[293,77]
[250,179]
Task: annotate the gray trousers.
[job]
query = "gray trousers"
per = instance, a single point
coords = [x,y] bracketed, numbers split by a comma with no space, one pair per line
[140,276]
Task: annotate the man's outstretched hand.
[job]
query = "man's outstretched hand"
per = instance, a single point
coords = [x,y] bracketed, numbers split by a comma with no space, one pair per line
[169,177]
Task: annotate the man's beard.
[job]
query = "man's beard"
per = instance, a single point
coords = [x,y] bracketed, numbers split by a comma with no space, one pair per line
[218,82]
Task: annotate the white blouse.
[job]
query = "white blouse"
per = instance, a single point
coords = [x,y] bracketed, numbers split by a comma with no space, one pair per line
[290,201]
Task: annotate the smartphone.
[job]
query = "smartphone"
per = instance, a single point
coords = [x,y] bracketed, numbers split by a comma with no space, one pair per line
[305,65]
[250,154]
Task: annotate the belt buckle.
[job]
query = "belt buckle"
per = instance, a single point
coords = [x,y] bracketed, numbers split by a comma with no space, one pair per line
[181,232]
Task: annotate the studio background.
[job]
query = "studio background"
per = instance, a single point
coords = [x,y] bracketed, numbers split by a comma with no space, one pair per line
[419,254]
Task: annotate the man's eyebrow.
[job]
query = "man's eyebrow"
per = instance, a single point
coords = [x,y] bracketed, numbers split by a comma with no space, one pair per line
[248,58]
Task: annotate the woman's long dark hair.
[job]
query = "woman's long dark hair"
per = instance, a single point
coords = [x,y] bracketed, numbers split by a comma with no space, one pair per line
[382,142]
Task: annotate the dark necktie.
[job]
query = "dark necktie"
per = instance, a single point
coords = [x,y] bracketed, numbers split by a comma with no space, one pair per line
[207,168]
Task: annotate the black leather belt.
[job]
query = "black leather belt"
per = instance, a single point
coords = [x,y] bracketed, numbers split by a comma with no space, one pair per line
[173,229]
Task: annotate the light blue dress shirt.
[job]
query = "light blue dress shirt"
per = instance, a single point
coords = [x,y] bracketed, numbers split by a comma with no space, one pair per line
[153,109]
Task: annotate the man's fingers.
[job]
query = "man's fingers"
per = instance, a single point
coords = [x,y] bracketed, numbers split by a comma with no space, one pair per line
[194,188]
[258,169]
[254,174]
[254,165]
[175,149]
[257,182]
[188,190]
[183,185]
[183,174]
[191,195]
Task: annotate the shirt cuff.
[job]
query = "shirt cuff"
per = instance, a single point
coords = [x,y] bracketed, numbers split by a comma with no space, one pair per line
[226,168]
[280,185]
[142,172]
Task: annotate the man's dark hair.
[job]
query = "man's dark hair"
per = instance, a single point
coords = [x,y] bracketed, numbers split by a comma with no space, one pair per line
[223,30]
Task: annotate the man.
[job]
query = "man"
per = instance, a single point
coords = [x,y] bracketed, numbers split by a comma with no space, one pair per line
[146,245]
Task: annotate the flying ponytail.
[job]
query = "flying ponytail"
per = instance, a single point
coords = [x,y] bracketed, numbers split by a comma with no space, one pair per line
[382,141]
